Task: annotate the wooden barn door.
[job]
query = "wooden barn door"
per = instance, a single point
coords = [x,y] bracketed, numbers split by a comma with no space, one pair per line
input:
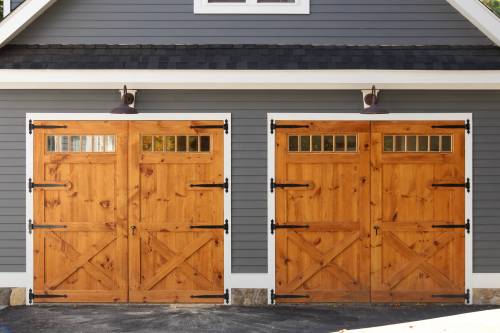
[176,214]
[322,212]
[80,211]
[417,212]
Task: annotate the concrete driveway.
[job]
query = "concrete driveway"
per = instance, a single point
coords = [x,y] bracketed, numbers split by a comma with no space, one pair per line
[165,318]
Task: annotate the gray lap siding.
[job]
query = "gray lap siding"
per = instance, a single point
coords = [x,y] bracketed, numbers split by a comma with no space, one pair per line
[249,110]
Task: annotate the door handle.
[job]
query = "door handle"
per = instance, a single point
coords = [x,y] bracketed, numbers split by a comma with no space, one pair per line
[376,229]
[133,228]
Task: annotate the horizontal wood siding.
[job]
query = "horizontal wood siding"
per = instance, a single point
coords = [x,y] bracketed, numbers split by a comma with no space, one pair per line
[249,109]
[335,22]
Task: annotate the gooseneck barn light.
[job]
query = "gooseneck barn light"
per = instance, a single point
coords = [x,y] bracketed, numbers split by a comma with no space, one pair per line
[372,100]
[125,108]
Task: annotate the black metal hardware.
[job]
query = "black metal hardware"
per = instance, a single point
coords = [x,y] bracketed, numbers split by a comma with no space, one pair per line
[224,226]
[465,296]
[274,126]
[225,126]
[466,185]
[32,185]
[32,226]
[225,296]
[276,296]
[276,185]
[376,229]
[32,126]
[224,185]
[275,226]
[465,226]
[465,126]
[32,296]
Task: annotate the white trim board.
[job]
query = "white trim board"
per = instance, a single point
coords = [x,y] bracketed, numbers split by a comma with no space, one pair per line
[251,7]
[249,79]
[29,10]
[6,7]
[27,278]
[271,153]
[480,16]
[486,280]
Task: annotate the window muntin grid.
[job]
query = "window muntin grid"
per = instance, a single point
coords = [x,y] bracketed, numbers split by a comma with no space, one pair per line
[418,143]
[323,143]
[176,143]
[80,143]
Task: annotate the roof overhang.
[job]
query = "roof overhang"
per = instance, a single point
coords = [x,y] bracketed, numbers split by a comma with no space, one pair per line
[29,10]
[250,79]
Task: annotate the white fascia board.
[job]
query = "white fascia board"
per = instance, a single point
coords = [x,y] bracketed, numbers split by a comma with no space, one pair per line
[250,79]
[19,19]
[479,15]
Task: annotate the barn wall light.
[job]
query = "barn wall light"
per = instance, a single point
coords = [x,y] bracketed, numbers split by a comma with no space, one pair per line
[370,102]
[127,105]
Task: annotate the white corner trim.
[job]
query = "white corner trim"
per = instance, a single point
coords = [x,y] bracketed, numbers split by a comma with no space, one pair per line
[251,7]
[249,79]
[486,280]
[6,7]
[14,280]
[479,15]
[19,19]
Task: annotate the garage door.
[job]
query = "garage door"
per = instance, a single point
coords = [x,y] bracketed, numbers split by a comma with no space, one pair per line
[322,212]
[129,211]
[343,185]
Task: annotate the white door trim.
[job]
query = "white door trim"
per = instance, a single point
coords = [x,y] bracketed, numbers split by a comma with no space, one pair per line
[271,241]
[26,279]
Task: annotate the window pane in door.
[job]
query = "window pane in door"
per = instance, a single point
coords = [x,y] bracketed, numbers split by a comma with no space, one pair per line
[75,144]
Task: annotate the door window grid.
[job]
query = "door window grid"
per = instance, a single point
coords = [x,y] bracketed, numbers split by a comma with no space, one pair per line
[176,143]
[81,143]
[418,143]
[326,143]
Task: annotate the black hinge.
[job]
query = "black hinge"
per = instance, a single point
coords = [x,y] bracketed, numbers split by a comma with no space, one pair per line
[225,126]
[32,296]
[32,226]
[225,296]
[276,296]
[466,226]
[32,126]
[466,185]
[32,185]
[274,185]
[224,185]
[274,126]
[275,226]
[465,296]
[224,226]
[465,126]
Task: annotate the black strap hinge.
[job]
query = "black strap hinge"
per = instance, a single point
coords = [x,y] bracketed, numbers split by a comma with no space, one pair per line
[32,126]
[274,185]
[32,226]
[32,296]
[225,126]
[275,126]
[466,226]
[224,185]
[466,185]
[224,226]
[275,226]
[283,296]
[225,296]
[465,296]
[465,126]
[32,185]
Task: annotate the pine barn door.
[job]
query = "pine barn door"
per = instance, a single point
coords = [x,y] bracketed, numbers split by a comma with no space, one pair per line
[418,213]
[80,211]
[176,192]
[322,222]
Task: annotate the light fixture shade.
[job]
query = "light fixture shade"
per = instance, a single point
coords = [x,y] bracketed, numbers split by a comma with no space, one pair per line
[373,108]
[124,107]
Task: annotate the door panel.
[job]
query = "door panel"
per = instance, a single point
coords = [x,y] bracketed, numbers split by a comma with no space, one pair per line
[329,260]
[80,242]
[411,260]
[169,260]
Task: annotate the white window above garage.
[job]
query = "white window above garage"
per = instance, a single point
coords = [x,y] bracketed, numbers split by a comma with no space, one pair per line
[251,6]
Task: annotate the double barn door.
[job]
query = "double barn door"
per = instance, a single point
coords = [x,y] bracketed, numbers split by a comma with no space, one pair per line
[369,211]
[128,211]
